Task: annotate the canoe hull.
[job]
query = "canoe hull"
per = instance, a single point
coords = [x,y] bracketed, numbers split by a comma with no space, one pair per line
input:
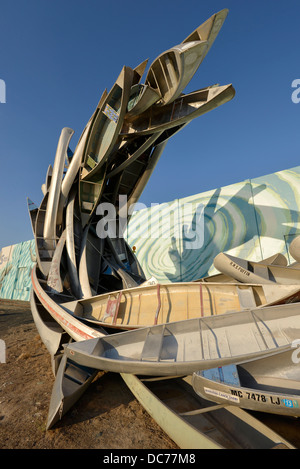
[197,344]
[269,385]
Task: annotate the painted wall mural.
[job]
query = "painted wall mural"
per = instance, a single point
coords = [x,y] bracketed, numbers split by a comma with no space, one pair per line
[16,263]
[253,219]
[177,241]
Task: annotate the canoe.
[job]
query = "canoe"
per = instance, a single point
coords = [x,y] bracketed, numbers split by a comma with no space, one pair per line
[73,243]
[179,112]
[32,210]
[71,382]
[255,272]
[143,306]
[51,333]
[44,249]
[294,248]
[170,73]
[182,347]
[45,187]
[78,157]
[276,259]
[52,303]
[141,98]
[50,223]
[172,70]
[107,125]
[195,423]
[269,385]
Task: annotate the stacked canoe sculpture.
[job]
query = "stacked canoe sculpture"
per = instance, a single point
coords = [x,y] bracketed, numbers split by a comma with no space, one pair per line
[94,308]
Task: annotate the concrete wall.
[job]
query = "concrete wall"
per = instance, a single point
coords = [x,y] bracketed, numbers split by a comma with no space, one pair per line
[178,240]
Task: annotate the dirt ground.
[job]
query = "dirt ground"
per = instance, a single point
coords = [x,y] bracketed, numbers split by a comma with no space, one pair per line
[107,416]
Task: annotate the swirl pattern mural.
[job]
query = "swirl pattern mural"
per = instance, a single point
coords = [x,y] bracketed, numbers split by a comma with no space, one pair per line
[177,241]
[253,219]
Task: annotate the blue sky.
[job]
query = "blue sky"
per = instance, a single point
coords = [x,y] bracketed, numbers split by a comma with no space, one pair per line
[57,57]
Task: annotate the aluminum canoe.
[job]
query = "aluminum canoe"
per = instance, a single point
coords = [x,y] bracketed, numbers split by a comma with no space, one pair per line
[195,423]
[172,70]
[107,125]
[271,384]
[179,112]
[184,347]
[255,272]
[52,334]
[71,325]
[71,382]
[50,223]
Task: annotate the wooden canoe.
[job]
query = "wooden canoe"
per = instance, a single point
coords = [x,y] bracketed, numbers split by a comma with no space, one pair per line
[269,385]
[195,423]
[183,347]
[255,272]
[142,306]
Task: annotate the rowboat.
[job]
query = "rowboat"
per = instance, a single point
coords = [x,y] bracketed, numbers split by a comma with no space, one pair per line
[269,385]
[180,348]
[147,305]
[71,382]
[171,71]
[179,112]
[255,272]
[195,423]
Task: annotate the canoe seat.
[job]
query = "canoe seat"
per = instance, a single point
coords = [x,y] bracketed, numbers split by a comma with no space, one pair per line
[152,346]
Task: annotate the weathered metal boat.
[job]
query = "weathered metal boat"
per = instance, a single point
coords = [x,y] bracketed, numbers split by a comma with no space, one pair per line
[171,71]
[178,113]
[271,384]
[255,272]
[183,347]
[195,423]
[71,382]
